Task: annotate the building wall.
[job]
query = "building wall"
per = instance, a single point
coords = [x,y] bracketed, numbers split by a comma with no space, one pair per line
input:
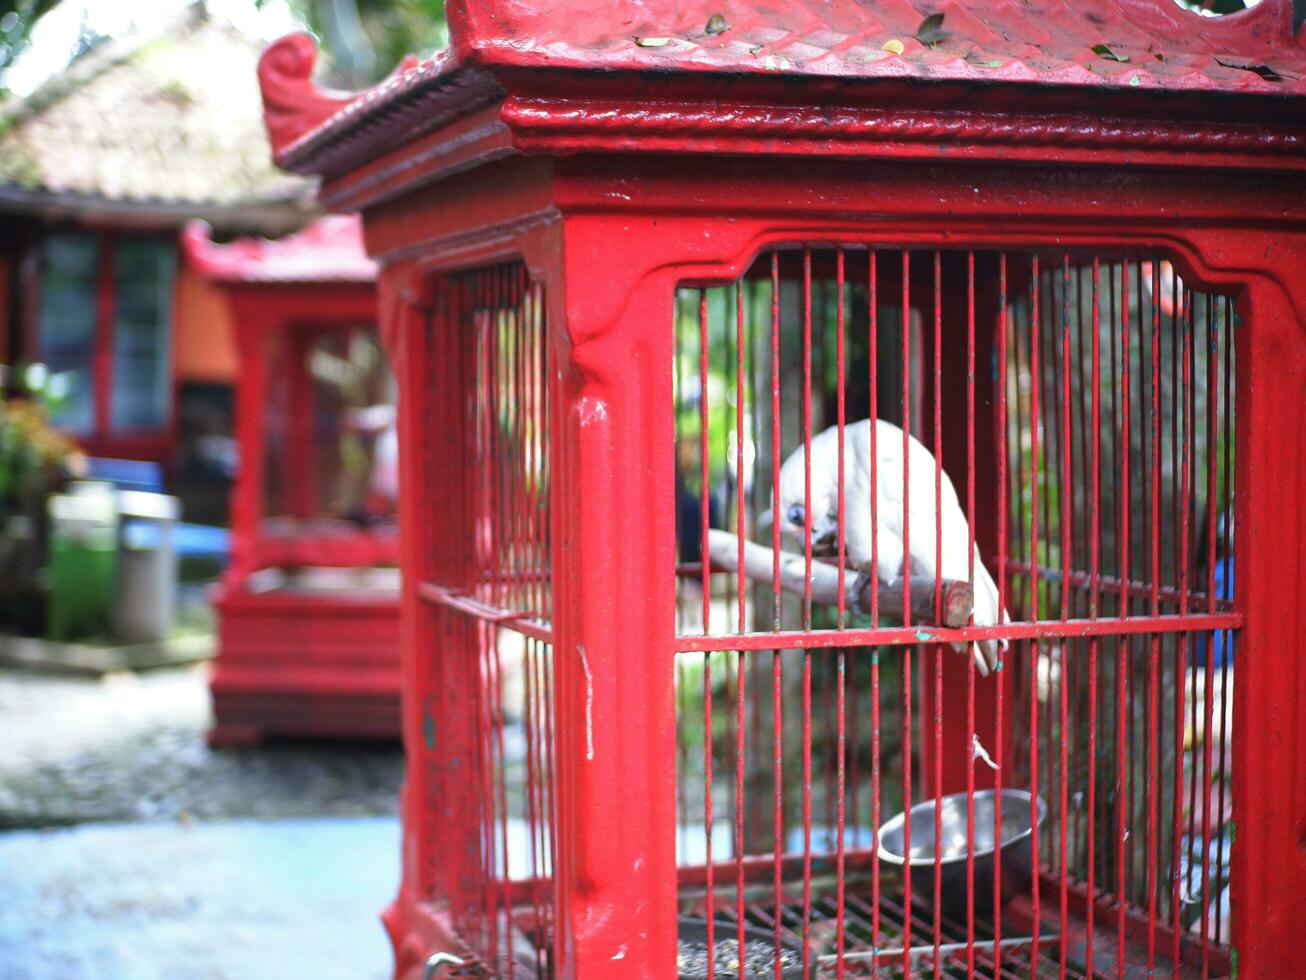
[203,332]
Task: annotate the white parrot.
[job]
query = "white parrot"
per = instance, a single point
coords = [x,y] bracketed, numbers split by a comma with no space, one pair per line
[889,515]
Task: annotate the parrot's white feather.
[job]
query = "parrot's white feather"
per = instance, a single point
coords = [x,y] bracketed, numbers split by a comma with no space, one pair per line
[919,515]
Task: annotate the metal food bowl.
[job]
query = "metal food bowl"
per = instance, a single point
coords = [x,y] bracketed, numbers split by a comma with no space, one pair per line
[1015,854]
[691,955]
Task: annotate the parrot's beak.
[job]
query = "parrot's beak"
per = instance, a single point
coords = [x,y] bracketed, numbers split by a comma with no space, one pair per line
[823,538]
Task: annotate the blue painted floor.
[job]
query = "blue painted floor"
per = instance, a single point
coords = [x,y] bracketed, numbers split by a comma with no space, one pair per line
[238,900]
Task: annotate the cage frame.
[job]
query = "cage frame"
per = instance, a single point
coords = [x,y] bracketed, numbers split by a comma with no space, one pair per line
[641,276]
[567,184]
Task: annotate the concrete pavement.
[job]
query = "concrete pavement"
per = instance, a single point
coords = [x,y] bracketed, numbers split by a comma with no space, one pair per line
[232,900]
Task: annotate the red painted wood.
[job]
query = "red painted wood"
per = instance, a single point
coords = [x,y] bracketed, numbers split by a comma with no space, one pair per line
[329,249]
[305,667]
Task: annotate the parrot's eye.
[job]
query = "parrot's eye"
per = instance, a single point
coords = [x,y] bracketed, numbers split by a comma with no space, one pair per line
[796,515]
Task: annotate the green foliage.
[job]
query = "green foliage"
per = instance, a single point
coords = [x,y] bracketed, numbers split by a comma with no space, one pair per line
[33,456]
[34,462]
[372,36]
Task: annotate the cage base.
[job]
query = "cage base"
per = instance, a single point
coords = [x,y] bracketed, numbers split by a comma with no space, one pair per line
[906,944]
[305,667]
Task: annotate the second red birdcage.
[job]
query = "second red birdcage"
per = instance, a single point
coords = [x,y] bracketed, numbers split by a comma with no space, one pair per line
[646,271]
[308,609]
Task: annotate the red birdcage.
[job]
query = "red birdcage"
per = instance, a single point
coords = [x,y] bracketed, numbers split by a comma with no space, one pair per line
[308,610]
[645,269]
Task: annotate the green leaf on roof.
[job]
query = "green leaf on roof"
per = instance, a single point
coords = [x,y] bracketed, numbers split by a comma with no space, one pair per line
[931,30]
[1104,51]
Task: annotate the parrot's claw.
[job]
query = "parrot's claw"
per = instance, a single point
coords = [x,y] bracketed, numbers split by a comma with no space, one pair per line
[860,585]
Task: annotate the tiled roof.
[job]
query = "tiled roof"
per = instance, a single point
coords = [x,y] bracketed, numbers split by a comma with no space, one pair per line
[1134,43]
[1128,46]
[328,250]
[174,121]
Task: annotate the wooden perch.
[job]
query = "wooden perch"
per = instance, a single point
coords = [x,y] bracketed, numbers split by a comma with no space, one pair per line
[958,597]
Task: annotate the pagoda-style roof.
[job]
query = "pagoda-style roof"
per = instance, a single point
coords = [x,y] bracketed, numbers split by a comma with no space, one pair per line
[151,130]
[329,250]
[559,66]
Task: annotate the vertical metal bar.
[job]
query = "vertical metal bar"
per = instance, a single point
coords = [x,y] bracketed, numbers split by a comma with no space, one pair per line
[1138,734]
[1212,525]
[1003,543]
[970,577]
[705,490]
[1084,365]
[777,709]
[1226,552]
[539,324]
[1051,431]
[492,502]
[1047,477]
[1177,322]
[807,444]
[704,462]
[1213,397]
[731,582]
[807,609]
[937,648]
[1181,654]
[486,796]
[530,587]
[1093,596]
[1212,393]
[504,892]
[521,448]
[740,679]
[755,666]
[503,340]
[473,348]
[1020,318]
[1153,744]
[1208,730]
[1035,373]
[840,708]
[873,399]
[776,436]
[545,858]
[546,407]
[906,596]
[840,420]
[1122,671]
[1064,494]
[525,600]
[494,498]
[854,740]
[1081,529]
[842,741]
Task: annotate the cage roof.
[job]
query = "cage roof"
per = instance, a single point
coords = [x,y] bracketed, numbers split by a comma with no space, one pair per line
[329,249]
[1122,47]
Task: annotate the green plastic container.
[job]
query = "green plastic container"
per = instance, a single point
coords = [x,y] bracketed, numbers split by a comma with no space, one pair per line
[83,566]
